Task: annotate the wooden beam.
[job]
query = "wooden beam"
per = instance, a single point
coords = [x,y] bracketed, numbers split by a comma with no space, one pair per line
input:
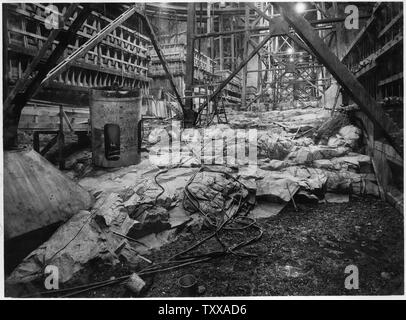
[22,82]
[209,30]
[227,33]
[259,95]
[245,54]
[67,121]
[55,55]
[259,29]
[189,116]
[221,42]
[35,141]
[5,63]
[49,145]
[294,37]
[344,77]
[61,140]
[236,71]
[82,50]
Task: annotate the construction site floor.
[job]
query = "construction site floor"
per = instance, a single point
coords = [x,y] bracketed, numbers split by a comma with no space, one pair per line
[303,252]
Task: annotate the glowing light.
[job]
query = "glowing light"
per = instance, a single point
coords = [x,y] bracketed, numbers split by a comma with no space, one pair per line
[300,7]
[290,50]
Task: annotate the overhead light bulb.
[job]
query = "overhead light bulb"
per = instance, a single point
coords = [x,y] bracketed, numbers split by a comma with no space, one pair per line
[300,7]
[290,50]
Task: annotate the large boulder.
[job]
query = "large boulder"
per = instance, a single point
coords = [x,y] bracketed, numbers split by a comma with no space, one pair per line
[306,155]
[152,220]
[213,193]
[274,165]
[274,146]
[351,135]
[277,187]
[36,194]
[70,248]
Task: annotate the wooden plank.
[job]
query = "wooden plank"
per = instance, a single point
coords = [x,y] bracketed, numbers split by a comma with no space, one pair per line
[390,79]
[49,145]
[52,111]
[45,116]
[344,77]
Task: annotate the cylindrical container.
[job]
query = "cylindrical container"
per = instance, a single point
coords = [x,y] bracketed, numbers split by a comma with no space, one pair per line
[114,118]
[188,285]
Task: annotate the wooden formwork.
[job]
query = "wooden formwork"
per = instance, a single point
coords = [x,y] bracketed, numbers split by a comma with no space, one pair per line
[120,58]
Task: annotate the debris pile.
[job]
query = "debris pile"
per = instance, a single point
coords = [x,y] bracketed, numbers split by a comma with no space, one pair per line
[139,208]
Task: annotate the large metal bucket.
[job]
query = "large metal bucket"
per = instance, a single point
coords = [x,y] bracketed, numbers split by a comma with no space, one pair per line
[114,117]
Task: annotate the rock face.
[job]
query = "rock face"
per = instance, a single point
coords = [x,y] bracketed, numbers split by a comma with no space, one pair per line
[213,194]
[36,194]
[274,165]
[100,234]
[306,155]
[150,206]
[277,187]
[152,220]
[274,146]
[350,134]
[70,248]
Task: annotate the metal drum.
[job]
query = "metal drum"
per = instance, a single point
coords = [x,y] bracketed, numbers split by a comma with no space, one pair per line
[114,117]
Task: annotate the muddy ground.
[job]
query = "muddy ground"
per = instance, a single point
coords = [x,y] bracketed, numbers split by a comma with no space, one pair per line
[303,252]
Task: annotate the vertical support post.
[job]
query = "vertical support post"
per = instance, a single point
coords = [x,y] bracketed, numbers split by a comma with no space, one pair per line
[244,70]
[344,77]
[210,49]
[189,114]
[5,54]
[35,141]
[221,42]
[161,56]
[259,80]
[337,30]
[61,140]
[232,39]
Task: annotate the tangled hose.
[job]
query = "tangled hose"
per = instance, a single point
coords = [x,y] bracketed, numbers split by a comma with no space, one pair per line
[235,218]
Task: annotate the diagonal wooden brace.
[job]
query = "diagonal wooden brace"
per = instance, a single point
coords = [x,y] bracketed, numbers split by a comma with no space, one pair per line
[344,77]
[161,57]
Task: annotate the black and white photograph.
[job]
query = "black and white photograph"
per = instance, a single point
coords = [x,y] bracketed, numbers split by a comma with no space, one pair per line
[202,150]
